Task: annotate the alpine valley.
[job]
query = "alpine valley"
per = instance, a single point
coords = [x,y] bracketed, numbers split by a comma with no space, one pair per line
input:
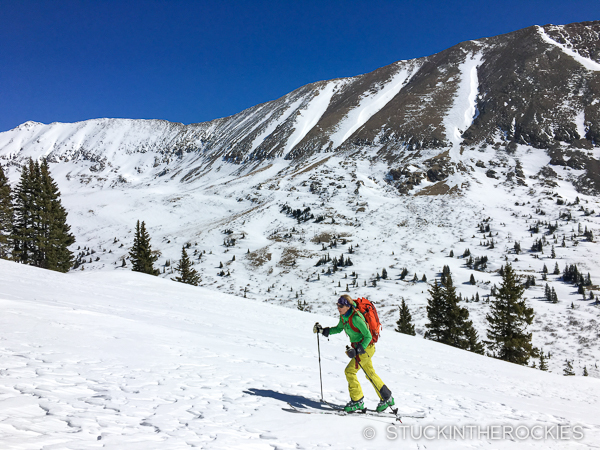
[469,153]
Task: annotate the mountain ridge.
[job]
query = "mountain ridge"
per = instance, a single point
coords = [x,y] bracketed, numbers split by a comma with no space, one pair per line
[426,158]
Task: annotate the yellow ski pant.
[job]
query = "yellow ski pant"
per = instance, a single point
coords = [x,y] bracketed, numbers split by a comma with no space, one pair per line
[352,369]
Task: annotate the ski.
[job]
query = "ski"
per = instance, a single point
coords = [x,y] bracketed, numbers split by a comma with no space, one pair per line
[339,411]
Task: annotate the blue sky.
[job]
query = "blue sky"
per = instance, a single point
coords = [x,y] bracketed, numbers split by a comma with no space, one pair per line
[193,61]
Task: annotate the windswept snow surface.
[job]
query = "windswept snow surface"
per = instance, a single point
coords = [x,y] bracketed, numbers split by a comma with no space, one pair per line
[125,360]
[588,63]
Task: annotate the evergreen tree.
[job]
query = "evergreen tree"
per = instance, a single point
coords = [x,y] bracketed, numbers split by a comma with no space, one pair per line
[6,215]
[553,296]
[436,313]
[404,323]
[141,255]
[472,280]
[543,363]
[585,372]
[24,223]
[187,274]
[508,319]
[556,269]
[41,235]
[473,342]
[568,369]
[56,235]
[448,321]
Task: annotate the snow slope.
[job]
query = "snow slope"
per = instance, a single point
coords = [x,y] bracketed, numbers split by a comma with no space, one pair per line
[124,360]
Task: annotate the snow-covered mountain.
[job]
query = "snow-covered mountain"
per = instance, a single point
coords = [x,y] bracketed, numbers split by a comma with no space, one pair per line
[124,360]
[401,166]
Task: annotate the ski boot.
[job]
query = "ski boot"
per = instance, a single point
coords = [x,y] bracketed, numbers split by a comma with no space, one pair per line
[354,406]
[384,404]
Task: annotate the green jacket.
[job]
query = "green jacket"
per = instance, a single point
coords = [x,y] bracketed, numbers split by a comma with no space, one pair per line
[363,336]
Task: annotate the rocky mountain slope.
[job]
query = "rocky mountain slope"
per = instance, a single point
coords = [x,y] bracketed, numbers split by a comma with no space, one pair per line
[487,144]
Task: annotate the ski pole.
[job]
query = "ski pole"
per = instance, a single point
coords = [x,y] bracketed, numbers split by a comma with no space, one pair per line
[320,374]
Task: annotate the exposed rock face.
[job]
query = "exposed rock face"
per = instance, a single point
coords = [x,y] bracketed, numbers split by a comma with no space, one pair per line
[539,86]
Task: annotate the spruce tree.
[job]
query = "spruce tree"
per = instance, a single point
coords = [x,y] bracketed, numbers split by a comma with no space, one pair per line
[436,313]
[508,319]
[474,344]
[543,363]
[404,323]
[568,369]
[187,274]
[41,235]
[24,203]
[449,322]
[6,216]
[141,255]
[56,233]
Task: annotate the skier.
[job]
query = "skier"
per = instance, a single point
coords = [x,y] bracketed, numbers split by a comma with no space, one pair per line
[355,326]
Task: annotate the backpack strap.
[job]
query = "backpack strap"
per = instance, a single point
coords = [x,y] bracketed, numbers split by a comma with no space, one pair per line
[356,330]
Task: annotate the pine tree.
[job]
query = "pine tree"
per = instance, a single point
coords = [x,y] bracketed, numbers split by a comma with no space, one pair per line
[585,372]
[436,313]
[404,323]
[472,280]
[23,235]
[448,321]
[473,343]
[553,296]
[187,274]
[41,235]
[568,369]
[556,269]
[141,255]
[543,363]
[508,319]
[57,235]
[6,216]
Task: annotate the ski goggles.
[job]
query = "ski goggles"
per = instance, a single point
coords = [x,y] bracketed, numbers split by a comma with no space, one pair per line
[343,302]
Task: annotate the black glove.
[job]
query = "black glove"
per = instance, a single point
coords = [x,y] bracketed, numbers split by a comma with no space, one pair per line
[325,332]
[318,328]
[353,352]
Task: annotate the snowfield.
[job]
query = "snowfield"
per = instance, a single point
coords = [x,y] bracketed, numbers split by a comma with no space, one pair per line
[124,360]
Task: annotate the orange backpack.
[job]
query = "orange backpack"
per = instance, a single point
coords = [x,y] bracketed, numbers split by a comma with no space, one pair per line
[367,309]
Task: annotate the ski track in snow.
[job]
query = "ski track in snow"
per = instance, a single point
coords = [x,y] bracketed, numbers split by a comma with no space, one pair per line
[124,360]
